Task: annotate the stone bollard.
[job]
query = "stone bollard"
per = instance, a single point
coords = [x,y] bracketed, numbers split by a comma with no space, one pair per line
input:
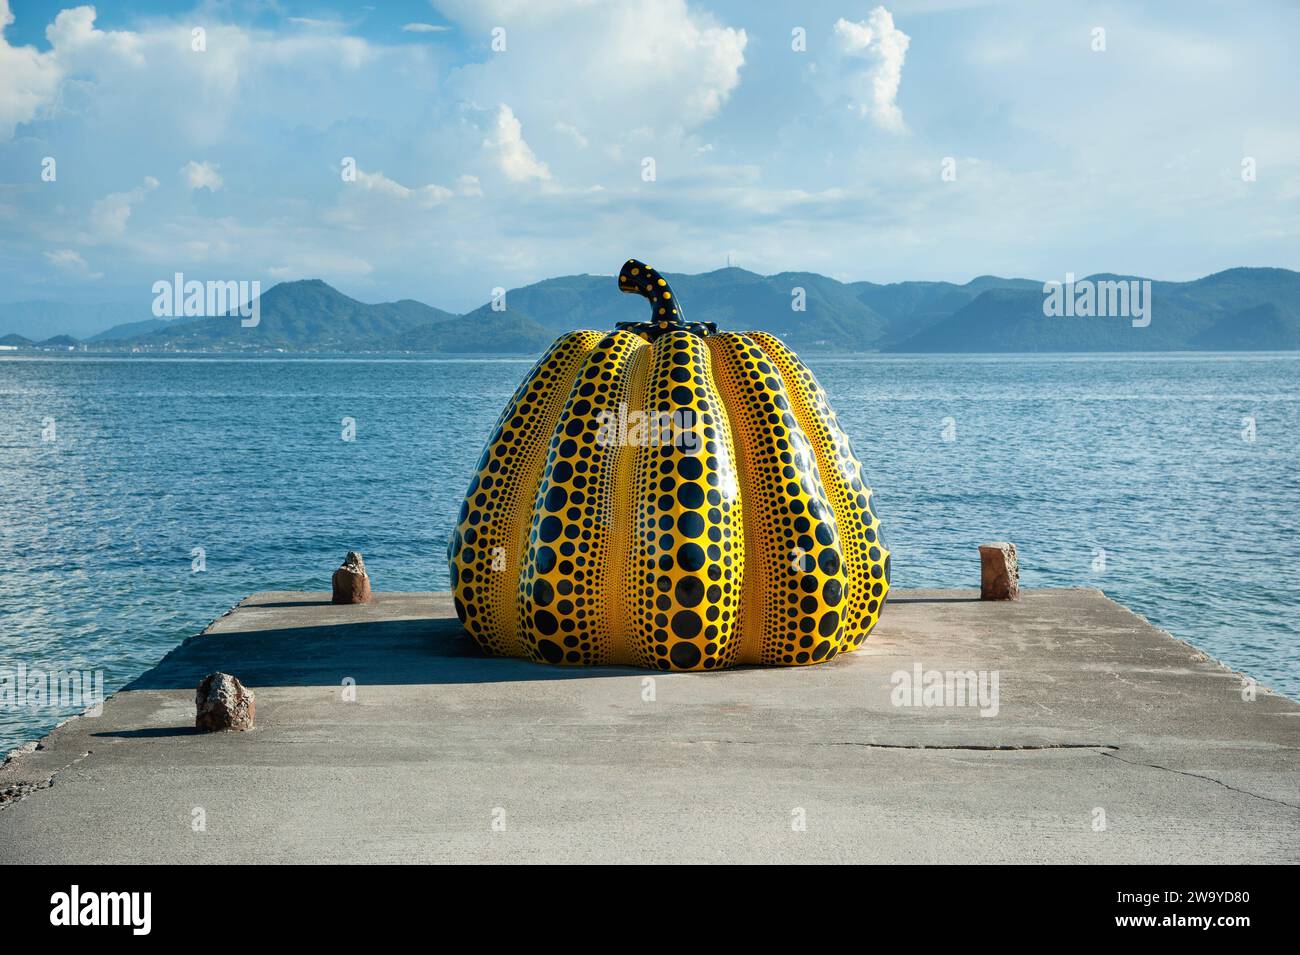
[223,703]
[351,584]
[999,572]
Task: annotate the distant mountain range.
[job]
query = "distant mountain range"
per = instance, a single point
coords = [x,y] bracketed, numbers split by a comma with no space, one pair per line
[1239,309]
[38,320]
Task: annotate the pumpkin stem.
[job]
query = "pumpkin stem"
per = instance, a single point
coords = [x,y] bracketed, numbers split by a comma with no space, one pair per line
[637,278]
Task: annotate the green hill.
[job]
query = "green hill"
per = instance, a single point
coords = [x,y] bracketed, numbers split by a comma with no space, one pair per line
[296,316]
[130,330]
[1254,309]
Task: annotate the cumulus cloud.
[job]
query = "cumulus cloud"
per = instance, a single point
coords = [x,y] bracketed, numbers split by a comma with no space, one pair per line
[424,28]
[872,89]
[201,175]
[75,40]
[29,79]
[512,154]
[197,96]
[656,64]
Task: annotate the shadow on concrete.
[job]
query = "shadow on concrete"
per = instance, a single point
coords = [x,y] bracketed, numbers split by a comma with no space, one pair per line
[933,600]
[385,652]
[290,603]
[152,732]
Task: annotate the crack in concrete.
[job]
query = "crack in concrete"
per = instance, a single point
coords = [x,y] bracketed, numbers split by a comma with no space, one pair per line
[987,748]
[959,747]
[1211,779]
[17,792]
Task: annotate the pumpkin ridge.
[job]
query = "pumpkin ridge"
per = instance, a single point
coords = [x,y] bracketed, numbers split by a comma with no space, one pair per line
[621,576]
[685,561]
[749,616]
[485,551]
[732,474]
[466,608]
[802,569]
[533,469]
[562,601]
[856,524]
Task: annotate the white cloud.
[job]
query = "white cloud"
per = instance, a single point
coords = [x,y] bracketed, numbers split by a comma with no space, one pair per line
[424,28]
[469,186]
[109,215]
[573,132]
[378,183]
[424,196]
[872,90]
[315,23]
[65,257]
[201,175]
[70,262]
[512,153]
[656,64]
[199,98]
[29,79]
[74,39]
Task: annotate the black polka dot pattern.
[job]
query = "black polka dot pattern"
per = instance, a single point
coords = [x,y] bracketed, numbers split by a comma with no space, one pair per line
[795,577]
[685,563]
[670,497]
[568,588]
[484,551]
[866,560]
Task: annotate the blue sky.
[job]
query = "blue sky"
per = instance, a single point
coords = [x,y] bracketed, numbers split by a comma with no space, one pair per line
[478,168]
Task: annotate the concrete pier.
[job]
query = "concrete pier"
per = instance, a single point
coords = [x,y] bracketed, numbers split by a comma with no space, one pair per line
[1107,740]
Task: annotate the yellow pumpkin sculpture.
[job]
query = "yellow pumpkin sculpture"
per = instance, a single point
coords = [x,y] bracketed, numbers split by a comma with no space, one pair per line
[668,496]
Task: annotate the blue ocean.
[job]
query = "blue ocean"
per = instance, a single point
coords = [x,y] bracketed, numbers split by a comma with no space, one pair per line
[144,497]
